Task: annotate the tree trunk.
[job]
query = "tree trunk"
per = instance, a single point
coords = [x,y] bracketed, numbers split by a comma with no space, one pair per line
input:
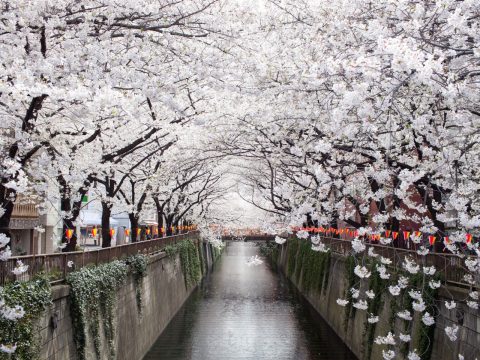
[133,226]
[66,208]
[437,197]
[175,225]
[106,212]
[160,223]
[7,198]
[168,225]
[72,242]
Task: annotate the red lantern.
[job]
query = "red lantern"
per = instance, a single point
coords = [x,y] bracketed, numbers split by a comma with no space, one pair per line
[406,235]
[112,232]
[394,235]
[127,232]
[446,240]
[468,238]
[69,233]
[387,233]
[431,239]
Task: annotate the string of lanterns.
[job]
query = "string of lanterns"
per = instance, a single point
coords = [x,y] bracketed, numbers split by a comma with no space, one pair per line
[94,232]
[376,237]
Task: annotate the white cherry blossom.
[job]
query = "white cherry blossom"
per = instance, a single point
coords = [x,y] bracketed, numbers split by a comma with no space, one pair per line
[428,319]
[280,240]
[434,284]
[450,305]
[372,253]
[405,315]
[321,247]
[361,271]
[451,332]
[361,305]
[358,246]
[389,339]
[472,304]
[394,290]
[8,348]
[385,261]
[429,270]
[20,268]
[412,355]
[411,266]
[4,240]
[355,293]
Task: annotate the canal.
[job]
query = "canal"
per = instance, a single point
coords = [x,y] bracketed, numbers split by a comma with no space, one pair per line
[249,313]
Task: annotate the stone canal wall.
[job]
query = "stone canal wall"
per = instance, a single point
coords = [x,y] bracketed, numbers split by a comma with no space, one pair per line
[164,291]
[331,284]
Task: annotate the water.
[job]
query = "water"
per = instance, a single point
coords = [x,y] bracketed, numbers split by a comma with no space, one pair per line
[247,313]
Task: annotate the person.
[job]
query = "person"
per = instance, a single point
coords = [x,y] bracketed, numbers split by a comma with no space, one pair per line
[121,236]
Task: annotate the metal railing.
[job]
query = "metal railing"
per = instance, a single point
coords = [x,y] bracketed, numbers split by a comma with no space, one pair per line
[57,265]
[450,266]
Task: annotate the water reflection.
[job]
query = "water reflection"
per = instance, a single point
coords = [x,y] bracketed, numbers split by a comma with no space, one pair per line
[248,313]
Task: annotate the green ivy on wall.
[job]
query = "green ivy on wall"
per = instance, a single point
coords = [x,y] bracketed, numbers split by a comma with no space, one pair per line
[217,251]
[203,266]
[138,266]
[302,250]
[93,291]
[424,335]
[269,250]
[190,260]
[377,285]
[292,248]
[310,271]
[310,268]
[350,275]
[34,297]
[315,268]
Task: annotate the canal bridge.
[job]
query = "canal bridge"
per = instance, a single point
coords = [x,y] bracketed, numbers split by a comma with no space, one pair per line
[247,238]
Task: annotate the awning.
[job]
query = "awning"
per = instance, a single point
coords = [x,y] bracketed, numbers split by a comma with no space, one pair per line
[148,222]
[94,218]
[90,218]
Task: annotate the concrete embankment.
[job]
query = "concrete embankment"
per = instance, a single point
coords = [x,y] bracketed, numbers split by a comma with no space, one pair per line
[163,289]
[331,281]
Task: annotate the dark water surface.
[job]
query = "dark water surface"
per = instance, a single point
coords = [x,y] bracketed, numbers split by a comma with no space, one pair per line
[248,313]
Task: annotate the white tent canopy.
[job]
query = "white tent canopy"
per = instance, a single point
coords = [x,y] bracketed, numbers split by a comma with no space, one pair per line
[94,218]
